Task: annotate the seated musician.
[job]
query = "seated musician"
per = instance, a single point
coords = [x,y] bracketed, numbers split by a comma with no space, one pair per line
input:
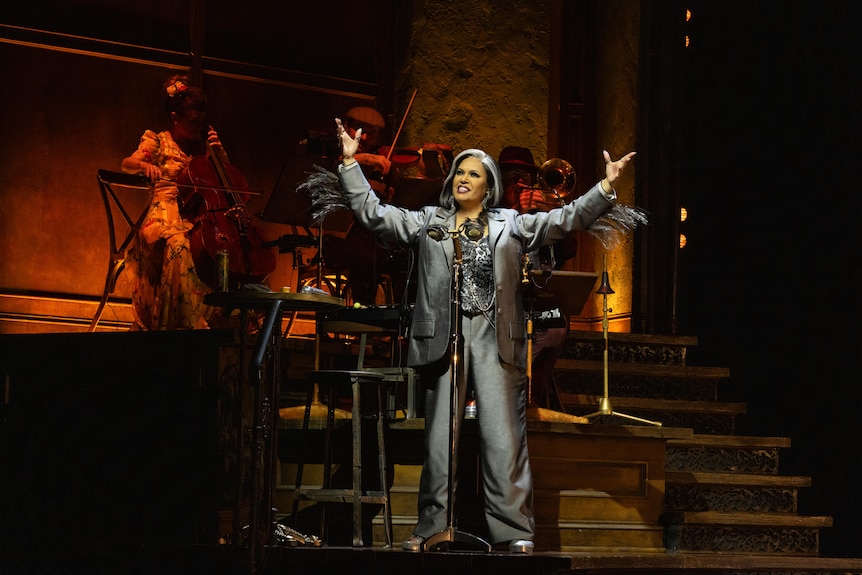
[167,291]
[519,176]
[369,157]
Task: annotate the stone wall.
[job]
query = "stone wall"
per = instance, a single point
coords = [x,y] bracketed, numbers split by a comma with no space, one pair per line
[481,71]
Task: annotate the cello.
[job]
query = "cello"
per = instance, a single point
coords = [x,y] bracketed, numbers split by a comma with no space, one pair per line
[210,197]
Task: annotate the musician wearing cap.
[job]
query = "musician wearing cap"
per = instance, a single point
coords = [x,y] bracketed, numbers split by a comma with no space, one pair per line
[375,164]
[492,241]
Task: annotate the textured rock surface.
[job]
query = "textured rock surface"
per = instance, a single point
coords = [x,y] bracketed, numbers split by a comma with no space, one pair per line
[481,70]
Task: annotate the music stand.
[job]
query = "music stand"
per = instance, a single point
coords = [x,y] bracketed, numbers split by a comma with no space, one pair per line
[554,289]
[286,206]
[562,289]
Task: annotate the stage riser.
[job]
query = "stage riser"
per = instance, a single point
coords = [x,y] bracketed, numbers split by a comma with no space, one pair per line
[48,314]
[591,491]
[594,488]
[109,439]
[594,491]
[631,538]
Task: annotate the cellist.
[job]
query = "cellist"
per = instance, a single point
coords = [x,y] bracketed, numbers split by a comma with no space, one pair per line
[167,292]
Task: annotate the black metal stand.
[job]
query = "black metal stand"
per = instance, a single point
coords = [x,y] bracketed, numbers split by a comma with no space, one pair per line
[264,436]
[263,529]
[565,292]
[450,534]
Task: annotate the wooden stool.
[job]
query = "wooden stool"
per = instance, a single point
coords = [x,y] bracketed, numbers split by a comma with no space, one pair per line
[334,382]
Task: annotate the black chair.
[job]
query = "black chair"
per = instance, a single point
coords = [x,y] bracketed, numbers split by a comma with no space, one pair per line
[108,181]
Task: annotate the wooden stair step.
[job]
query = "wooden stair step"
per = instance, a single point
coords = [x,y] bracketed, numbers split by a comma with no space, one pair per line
[655,386]
[730,492]
[616,337]
[748,519]
[713,563]
[629,348]
[725,453]
[700,416]
[647,404]
[721,532]
[341,496]
[736,479]
[731,441]
[643,369]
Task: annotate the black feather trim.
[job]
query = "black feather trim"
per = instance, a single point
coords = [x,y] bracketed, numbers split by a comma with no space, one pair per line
[324,190]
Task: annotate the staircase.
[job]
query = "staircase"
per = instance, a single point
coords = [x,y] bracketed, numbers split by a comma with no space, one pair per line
[723,493]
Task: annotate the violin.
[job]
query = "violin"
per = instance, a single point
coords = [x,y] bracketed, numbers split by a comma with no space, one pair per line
[210,194]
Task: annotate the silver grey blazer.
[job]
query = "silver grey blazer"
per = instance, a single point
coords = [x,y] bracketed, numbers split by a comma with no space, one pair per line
[511,235]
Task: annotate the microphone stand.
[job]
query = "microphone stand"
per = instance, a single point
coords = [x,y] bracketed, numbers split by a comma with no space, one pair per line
[450,534]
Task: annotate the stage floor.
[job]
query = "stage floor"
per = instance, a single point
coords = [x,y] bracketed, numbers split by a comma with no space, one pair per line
[228,560]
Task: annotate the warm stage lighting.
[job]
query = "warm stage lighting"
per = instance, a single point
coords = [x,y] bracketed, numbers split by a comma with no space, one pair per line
[687,19]
[682,241]
[683,214]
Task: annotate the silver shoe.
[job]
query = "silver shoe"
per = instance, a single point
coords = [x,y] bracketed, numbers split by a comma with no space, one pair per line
[414,544]
[522,546]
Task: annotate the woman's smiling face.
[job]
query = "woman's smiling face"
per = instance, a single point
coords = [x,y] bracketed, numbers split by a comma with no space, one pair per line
[470,184]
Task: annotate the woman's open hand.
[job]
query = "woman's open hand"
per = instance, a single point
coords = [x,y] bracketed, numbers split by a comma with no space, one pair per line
[347,144]
[614,169]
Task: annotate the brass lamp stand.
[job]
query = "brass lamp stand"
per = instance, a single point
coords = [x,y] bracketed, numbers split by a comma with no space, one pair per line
[605,407]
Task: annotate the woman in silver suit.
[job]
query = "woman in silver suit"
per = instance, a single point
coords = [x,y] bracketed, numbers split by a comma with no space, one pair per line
[493,241]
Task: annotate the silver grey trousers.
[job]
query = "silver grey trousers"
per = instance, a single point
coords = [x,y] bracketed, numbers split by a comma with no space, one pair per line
[500,392]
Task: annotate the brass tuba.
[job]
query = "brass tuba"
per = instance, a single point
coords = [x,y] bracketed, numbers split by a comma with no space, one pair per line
[556,179]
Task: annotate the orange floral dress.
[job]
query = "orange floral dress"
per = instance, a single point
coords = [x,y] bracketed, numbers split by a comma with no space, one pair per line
[167,293]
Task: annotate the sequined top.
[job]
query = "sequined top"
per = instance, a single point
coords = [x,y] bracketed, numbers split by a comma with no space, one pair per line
[477,285]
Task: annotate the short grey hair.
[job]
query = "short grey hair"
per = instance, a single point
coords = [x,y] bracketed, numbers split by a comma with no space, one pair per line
[492,172]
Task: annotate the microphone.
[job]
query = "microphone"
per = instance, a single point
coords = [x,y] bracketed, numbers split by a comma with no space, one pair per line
[438,232]
[474,229]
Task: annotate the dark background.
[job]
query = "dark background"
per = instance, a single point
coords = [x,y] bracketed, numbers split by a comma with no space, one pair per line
[769,280]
